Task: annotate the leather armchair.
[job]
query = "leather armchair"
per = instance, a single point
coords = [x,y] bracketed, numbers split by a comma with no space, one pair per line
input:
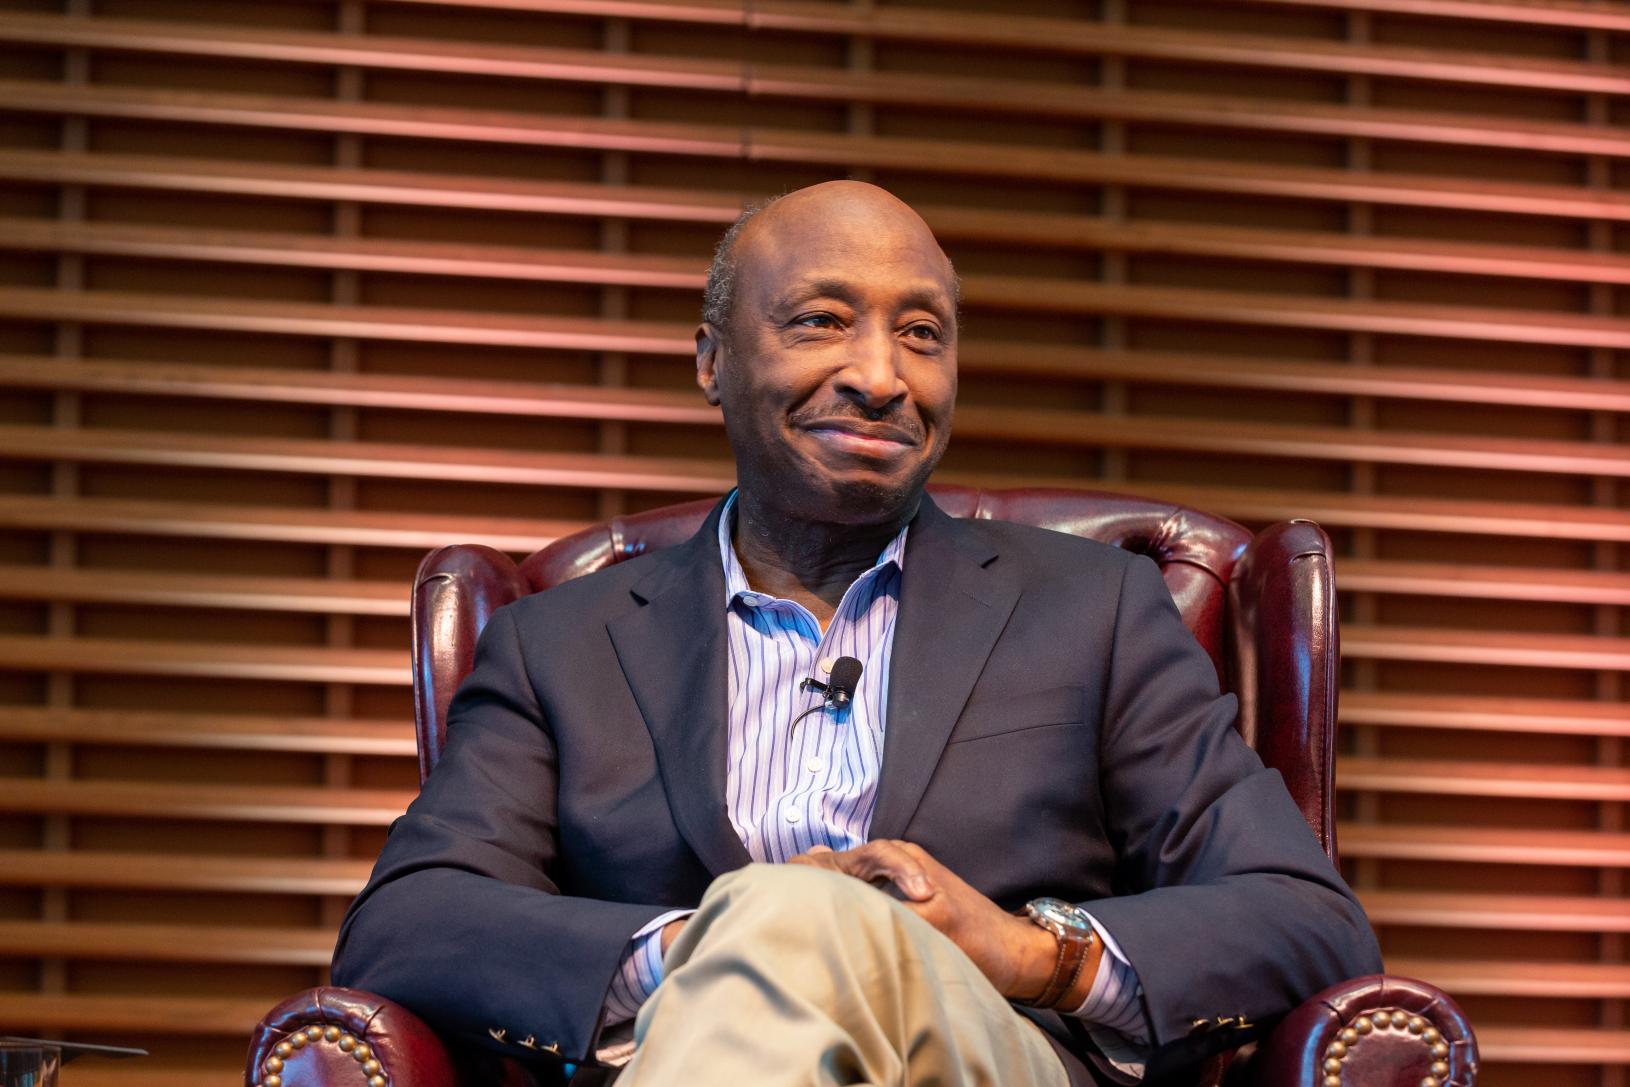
[1263,608]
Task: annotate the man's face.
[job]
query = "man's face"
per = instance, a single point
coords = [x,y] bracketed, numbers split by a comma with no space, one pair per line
[837,367]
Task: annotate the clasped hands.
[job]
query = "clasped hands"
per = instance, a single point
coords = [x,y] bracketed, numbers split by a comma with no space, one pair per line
[1016,956]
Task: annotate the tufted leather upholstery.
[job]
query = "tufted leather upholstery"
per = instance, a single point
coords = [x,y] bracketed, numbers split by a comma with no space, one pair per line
[339,1032]
[1263,608]
[1384,1030]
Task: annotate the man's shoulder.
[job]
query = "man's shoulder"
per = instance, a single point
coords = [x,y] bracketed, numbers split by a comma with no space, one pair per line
[605,591]
[1049,550]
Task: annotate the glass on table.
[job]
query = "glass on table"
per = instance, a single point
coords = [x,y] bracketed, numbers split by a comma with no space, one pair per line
[29,1064]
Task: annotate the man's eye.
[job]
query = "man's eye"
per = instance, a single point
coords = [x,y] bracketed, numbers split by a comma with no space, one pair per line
[817,320]
[923,332]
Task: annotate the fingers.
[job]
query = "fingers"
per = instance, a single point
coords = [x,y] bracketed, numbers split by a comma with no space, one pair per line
[884,862]
[880,863]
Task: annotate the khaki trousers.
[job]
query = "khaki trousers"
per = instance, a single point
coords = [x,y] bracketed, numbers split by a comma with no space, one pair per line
[789,975]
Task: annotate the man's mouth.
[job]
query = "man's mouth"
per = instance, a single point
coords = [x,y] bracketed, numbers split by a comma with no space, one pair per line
[874,439]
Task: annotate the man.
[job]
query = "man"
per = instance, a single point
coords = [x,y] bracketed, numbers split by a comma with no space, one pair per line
[1031,849]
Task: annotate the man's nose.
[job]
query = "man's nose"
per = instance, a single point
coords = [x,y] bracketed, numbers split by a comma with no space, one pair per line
[871,377]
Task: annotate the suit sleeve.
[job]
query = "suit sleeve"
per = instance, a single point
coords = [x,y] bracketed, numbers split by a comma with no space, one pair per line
[1226,906]
[461,921]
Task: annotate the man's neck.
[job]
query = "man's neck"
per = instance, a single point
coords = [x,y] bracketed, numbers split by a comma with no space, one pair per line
[812,562]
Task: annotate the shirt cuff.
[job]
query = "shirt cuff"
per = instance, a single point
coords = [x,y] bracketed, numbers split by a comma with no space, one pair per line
[640,971]
[1113,1011]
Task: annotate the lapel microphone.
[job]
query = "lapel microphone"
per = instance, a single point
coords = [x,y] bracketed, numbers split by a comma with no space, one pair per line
[840,684]
[839,687]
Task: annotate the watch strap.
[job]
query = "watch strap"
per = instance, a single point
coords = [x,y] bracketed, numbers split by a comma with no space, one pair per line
[1073,951]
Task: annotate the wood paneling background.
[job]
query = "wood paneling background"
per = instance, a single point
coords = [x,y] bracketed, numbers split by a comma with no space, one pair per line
[292,290]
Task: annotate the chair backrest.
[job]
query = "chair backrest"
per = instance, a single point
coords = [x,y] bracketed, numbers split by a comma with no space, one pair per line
[1263,608]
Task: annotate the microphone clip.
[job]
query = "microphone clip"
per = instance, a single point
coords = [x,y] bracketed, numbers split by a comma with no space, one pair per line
[836,697]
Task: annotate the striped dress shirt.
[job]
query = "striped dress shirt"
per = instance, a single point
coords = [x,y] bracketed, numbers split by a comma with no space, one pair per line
[789,788]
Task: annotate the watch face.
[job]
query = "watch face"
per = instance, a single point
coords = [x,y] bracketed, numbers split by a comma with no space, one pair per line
[1064,914]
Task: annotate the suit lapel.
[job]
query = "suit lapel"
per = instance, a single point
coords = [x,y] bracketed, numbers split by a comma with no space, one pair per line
[954,604]
[673,653]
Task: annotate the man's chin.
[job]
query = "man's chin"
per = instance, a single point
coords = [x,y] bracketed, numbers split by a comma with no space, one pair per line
[866,498]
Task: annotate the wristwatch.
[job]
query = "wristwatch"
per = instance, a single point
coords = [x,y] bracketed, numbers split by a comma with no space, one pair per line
[1073,929]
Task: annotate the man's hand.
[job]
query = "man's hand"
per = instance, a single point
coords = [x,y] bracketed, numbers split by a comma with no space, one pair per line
[670,932]
[1014,954]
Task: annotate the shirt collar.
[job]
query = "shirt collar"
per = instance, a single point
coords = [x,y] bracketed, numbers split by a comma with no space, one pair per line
[735,578]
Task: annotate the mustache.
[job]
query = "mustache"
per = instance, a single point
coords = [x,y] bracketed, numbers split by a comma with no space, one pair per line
[892,418]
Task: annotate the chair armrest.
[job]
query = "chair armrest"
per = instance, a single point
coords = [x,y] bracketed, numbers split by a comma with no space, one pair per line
[1375,1031]
[345,1038]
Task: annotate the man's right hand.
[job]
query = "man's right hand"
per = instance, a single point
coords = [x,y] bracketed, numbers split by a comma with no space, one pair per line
[670,932]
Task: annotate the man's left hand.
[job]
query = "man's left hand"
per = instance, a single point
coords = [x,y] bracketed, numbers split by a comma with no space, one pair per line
[1014,954]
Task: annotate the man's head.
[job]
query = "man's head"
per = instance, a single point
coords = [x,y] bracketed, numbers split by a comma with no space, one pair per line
[829,337]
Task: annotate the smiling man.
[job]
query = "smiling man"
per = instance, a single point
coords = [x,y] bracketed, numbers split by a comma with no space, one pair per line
[1025,847]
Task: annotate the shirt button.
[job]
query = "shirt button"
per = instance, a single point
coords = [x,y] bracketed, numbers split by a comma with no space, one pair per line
[815,764]
[825,664]
[749,599]
[793,815]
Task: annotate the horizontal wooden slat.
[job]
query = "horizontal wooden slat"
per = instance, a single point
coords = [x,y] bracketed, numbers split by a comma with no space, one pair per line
[1297,311]
[187,800]
[361,528]
[1091,234]
[1584,14]
[777,145]
[420,531]
[1082,37]
[363,322]
[639,270]
[417,188]
[1485,647]
[150,1073]
[706,476]
[1550,1046]
[1483,582]
[398,392]
[187,174]
[183,872]
[242,732]
[301,664]
[372,459]
[941,91]
[1446,777]
[166,943]
[1579,980]
[1501,913]
[105,586]
[1187,434]
[1574,13]
[1410,710]
[357,254]
[1486,845]
[649,337]
[525,399]
[381,598]
[1092,430]
[184,1016]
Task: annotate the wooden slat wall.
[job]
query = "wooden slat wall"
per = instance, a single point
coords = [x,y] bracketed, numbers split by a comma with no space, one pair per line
[292,290]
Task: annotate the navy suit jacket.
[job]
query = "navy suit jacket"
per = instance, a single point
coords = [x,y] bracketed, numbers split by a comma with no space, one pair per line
[1052,729]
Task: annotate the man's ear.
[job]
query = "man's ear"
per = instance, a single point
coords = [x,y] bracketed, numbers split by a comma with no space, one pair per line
[709,348]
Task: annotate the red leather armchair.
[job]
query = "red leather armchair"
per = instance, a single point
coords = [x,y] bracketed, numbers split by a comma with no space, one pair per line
[1263,608]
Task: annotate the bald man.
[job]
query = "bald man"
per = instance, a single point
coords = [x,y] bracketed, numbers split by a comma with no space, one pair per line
[1029,848]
